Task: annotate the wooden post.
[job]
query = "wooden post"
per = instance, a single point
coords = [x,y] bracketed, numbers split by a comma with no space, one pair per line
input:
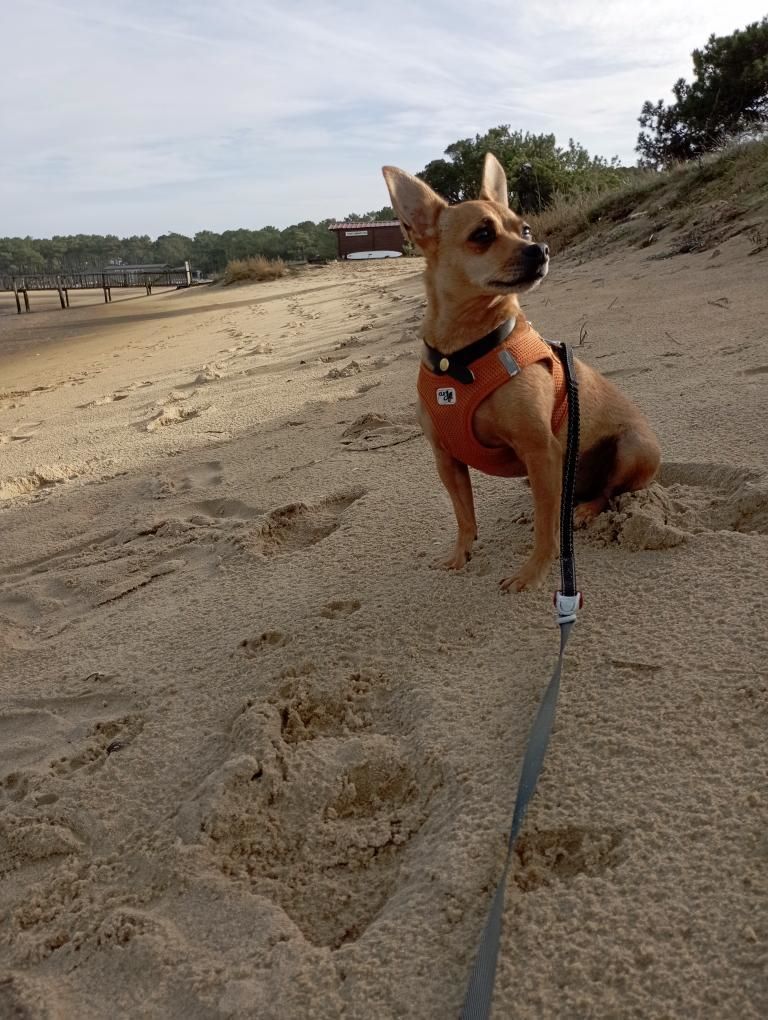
[61,292]
[16,295]
[66,295]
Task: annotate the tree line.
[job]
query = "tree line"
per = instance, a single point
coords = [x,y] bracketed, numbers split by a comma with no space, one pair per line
[207,250]
[727,98]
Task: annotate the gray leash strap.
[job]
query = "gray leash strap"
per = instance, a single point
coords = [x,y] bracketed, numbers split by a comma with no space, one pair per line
[477,1002]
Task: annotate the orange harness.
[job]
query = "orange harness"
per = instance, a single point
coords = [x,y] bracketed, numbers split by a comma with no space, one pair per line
[452,403]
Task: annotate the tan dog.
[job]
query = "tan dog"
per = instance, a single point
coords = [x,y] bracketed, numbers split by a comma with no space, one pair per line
[479,257]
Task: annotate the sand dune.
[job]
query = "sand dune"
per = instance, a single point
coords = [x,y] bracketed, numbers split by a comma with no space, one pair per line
[257,758]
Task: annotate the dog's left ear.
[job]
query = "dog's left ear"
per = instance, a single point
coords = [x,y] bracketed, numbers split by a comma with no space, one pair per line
[494,184]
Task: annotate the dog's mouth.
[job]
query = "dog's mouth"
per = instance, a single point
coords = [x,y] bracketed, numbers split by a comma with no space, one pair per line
[527,281]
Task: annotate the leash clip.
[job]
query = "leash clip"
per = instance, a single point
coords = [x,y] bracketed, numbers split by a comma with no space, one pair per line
[567,606]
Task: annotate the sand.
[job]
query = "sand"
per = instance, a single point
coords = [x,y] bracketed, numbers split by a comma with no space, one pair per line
[257,758]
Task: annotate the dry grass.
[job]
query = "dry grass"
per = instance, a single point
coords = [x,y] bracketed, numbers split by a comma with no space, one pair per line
[568,218]
[256,269]
[727,185]
[563,221]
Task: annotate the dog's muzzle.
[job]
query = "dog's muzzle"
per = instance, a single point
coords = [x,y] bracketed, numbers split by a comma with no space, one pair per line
[531,266]
[535,259]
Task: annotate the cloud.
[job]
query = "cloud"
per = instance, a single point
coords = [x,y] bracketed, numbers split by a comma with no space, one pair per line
[149,117]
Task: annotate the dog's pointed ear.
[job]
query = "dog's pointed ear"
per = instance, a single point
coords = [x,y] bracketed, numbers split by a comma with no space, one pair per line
[494,184]
[417,206]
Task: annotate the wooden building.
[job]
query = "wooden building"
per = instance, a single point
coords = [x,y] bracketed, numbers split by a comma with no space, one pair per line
[368,237]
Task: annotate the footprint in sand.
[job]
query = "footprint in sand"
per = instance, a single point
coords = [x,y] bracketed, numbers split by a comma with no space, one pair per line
[40,480]
[45,737]
[382,360]
[375,431]
[207,374]
[361,390]
[313,808]
[171,416]
[43,596]
[238,527]
[616,373]
[735,349]
[15,394]
[408,336]
[109,398]
[264,642]
[22,433]
[221,510]
[353,368]
[259,349]
[339,608]
[545,857]
[108,737]
[27,841]
[297,526]
[198,476]
[351,341]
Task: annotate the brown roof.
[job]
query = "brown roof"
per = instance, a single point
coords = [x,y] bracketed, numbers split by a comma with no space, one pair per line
[365,226]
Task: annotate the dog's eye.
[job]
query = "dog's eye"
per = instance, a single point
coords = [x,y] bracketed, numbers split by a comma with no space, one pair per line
[485,234]
[526,231]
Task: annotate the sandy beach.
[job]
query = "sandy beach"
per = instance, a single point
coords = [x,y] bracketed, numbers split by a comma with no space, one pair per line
[257,758]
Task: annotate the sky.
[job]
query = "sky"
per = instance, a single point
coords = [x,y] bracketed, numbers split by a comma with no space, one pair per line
[145,117]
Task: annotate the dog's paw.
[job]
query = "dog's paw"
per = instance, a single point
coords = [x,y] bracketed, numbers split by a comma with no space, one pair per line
[585,513]
[515,583]
[529,577]
[457,559]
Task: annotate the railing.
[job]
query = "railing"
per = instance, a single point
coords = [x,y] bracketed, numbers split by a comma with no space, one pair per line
[105,279]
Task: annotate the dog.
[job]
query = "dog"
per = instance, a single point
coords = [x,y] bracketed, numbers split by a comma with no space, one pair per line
[491,393]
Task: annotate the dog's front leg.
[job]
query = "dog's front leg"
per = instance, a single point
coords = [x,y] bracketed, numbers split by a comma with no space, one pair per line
[544,464]
[455,477]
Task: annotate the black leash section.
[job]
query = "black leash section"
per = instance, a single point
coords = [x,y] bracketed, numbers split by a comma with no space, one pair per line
[477,1002]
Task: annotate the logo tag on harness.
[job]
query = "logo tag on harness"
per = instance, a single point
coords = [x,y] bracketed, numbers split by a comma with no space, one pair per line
[446,396]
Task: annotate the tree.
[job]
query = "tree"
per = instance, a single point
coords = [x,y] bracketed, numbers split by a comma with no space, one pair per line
[536,167]
[375,215]
[728,97]
[172,249]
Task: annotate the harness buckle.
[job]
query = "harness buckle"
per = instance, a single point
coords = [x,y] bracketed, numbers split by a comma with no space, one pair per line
[567,606]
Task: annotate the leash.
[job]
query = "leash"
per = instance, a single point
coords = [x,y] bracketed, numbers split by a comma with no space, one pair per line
[477,1002]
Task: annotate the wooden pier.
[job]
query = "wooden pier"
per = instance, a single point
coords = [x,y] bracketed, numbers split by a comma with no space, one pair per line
[103,279]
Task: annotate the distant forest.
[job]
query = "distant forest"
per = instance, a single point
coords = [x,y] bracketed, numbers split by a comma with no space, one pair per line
[207,251]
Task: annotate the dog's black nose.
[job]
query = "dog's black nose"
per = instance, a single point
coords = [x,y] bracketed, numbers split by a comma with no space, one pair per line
[537,254]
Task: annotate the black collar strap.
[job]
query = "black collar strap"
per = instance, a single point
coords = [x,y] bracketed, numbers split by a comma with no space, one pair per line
[457,364]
